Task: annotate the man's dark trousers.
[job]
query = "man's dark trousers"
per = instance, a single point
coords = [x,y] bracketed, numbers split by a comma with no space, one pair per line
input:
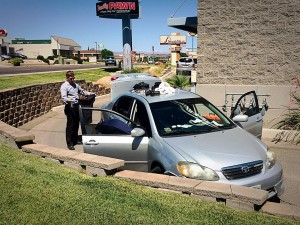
[72,114]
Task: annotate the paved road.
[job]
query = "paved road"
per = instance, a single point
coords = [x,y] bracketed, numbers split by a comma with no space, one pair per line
[17,70]
[49,129]
[289,159]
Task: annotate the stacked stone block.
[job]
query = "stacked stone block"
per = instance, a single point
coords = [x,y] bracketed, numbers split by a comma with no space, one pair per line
[20,105]
[248,41]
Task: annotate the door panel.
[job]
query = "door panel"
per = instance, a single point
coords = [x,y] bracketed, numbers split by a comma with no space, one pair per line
[248,105]
[100,137]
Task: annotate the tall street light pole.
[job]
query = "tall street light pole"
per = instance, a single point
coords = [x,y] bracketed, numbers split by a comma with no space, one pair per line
[96,53]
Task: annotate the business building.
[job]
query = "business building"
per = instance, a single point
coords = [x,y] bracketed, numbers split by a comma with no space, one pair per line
[244,46]
[55,46]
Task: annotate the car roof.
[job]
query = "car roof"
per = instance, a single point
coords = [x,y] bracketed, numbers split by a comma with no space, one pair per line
[178,94]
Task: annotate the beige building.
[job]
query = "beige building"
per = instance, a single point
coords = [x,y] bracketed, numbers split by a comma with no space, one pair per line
[52,47]
[249,45]
[244,46]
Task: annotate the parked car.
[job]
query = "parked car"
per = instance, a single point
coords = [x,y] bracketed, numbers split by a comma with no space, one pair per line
[150,60]
[5,57]
[185,65]
[162,130]
[17,55]
[110,60]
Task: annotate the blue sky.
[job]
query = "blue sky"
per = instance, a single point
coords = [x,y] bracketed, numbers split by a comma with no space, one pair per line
[77,20]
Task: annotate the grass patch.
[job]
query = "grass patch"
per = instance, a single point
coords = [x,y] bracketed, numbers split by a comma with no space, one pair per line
[32,79]
[35,191]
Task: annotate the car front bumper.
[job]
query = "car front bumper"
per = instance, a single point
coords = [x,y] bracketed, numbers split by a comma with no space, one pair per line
[270,180]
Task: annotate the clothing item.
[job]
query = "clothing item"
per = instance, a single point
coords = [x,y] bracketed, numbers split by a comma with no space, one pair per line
[72,114]
[88,101]
[70,92]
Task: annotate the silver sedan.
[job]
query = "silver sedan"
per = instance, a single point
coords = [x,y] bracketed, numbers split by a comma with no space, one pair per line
[183,134]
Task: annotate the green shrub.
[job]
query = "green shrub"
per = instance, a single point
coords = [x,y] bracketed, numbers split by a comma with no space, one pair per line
[51,57]
[16,61]
[291,121]
[40,57]
[179,81]
[46,61]
[78,59]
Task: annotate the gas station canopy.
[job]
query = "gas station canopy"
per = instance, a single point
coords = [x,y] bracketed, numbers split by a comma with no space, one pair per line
[188,24]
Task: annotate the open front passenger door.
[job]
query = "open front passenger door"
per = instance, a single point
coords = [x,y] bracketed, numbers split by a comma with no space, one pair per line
[248,106]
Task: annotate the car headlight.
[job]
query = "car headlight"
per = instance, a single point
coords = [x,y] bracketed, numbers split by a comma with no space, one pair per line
[196,171]
[271,159]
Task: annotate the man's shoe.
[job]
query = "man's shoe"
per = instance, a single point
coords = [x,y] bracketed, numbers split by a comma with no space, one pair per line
[79,142]
[71,147]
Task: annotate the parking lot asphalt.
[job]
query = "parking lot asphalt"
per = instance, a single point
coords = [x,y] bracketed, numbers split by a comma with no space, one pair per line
[49,129]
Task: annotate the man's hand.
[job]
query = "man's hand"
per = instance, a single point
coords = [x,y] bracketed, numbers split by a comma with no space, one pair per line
[74,102]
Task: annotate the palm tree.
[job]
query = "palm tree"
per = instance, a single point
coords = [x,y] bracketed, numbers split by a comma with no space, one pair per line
[179,81]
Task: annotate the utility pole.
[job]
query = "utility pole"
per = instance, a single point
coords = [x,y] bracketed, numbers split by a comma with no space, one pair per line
[96,52]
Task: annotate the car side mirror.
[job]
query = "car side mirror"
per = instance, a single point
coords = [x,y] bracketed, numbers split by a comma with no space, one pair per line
[240,118]
[137,132]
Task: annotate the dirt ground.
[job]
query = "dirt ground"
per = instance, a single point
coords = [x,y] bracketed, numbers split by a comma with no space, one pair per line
[104,81]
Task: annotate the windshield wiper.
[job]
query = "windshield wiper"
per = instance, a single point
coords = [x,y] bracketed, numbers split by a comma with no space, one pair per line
[176,132]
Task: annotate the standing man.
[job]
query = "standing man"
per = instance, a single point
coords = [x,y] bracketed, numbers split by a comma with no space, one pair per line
[70,92]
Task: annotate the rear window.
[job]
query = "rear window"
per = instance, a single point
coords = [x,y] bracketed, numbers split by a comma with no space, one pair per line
[189,60]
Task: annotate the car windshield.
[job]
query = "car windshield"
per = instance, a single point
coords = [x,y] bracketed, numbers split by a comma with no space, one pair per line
[187,117]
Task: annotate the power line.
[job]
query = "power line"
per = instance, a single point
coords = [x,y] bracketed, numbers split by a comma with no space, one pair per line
[178,9]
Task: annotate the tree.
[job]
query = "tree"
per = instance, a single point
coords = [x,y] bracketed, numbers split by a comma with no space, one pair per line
[105,53]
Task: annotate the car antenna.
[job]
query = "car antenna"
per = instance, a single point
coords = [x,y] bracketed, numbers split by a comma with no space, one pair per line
[177,9]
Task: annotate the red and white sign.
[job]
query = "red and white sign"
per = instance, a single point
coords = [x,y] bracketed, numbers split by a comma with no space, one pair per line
[173,40]
[3,33]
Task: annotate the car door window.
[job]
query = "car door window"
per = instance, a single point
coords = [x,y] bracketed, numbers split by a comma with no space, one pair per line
[141,117]
[247,104]
[123,106]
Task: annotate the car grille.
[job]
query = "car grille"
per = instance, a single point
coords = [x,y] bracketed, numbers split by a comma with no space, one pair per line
[242,170]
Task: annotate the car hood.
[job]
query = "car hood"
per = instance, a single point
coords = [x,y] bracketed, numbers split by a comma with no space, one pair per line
[219,149]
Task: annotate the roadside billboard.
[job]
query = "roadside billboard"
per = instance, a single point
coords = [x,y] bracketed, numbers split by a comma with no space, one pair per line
[173,40]
[118,9]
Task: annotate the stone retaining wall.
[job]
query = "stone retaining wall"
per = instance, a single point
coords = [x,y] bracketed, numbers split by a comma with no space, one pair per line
[20,105]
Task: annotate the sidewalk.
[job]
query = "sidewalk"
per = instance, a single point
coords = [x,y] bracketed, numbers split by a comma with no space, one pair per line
[49,129]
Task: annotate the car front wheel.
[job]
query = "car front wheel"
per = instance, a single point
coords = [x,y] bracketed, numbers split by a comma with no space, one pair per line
[157,169]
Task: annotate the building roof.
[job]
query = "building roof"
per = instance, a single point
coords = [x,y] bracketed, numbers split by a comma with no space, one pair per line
[184,23]
[65,41]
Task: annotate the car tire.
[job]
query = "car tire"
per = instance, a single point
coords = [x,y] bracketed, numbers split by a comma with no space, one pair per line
[157,169]
[275,199]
